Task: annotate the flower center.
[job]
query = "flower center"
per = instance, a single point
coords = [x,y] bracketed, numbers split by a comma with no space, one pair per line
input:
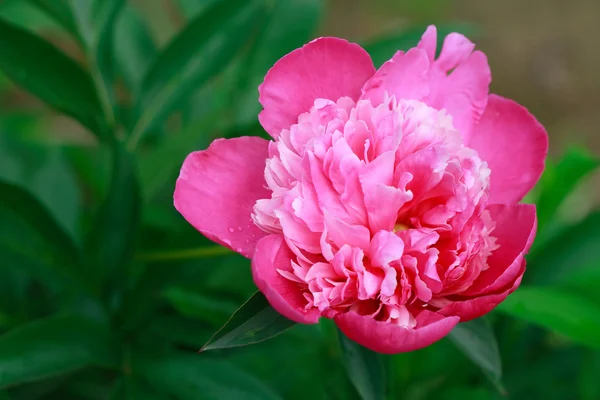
[343,178]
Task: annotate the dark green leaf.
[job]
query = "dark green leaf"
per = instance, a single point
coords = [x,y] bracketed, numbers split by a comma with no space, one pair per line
[129,388]
[111,241]
[198,53]
[365,369]
[290,25]
[557,310]
[51,347]
[560,180]
[43,70]
[253,322]
[26,229]
[383,49]
[199,306]
[189,376]
[477,341]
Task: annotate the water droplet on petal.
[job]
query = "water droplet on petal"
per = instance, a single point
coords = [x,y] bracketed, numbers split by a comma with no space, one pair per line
[239,250]
[239,228]
[231,230]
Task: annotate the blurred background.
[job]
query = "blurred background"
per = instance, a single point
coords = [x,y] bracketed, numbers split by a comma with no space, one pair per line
[107,293]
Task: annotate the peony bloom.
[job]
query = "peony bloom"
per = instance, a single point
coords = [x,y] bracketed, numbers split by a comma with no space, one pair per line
[386,199]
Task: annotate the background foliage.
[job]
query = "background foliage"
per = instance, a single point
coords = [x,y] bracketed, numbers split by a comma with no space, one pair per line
[107,293]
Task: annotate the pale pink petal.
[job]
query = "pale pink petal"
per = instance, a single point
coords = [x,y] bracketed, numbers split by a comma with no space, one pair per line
[471,308]
[285,296]
[327,68]
[514,144]
[389,338]
[217,188]
[514,233]
[404,76]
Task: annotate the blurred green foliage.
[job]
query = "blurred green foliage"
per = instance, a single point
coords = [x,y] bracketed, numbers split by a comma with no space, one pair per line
[106,293]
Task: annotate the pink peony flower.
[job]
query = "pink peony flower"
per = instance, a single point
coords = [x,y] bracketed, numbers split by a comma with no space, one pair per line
[387,200]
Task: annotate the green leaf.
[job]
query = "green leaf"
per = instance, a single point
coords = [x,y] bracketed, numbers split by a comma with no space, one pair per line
[365,369]
[196,305]
[60,11]
[161,164]
[95,21]
[27,230]
[290,25]
[189,376]
[43,70]
[41,169]
[134,49]
[111,241]
[560,180]
[383,49]
[198,53]
[557,310]
[477,341]
[574,248]
[130,388]
[52,347]
[255,321]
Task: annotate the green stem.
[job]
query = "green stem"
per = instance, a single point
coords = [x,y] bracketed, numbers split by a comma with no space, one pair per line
[184,254]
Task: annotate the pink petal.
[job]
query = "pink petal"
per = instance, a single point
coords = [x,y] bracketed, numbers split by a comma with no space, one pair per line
[515,231]
[514,144]
[457,81]
[326,68]
[464,92]
[285,296]
[429,42]
[472,308]
[404,76]
[217,188]
[389,338]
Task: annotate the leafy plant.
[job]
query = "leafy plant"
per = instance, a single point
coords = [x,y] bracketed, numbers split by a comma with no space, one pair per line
[106,293]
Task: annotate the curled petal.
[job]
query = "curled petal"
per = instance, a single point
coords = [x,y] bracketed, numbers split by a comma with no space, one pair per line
[272,254]
[389,338]
[471,308]
[217,188]
[514,144]
[326,68]
[514,233]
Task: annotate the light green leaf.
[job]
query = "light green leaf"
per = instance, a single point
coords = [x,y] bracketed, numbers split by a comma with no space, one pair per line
[134,48]
[255,321]
[198,53]
[60,11]
[189,376]
[559,181]
[477,341]
[574,248]
[161,164]
[557,310]
[365,369]
[51,347]
[290,25]
[43,70]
